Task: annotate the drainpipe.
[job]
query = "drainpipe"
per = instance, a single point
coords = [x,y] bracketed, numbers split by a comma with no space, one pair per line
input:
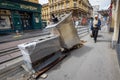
[116,27]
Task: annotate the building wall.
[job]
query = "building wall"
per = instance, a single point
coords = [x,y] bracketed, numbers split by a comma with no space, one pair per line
[45,12]
[116,34]
[59,7]
[95,9]
[116,23]
[17,17]
[113,17]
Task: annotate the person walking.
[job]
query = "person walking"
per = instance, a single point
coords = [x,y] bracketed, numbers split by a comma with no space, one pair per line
[95,27]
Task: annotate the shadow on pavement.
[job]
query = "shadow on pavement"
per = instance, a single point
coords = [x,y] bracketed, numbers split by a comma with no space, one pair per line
[74,53]
[103,40]
[81,51]
[100,35]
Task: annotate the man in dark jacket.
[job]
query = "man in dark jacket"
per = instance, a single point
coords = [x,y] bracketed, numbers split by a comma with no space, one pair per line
[54,19]
[95,27]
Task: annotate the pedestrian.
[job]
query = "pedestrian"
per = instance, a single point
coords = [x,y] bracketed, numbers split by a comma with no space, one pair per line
[90,24]
[54,18]
[76,23]
[95,27]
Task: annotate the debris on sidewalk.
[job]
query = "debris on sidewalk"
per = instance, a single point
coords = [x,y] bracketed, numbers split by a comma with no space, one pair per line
[21,77]
[43,76]
[17,36]
[36,75]
[82,41]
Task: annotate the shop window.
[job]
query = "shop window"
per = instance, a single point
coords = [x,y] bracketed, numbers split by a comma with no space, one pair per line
[4,12]
[37,20]
[5,22]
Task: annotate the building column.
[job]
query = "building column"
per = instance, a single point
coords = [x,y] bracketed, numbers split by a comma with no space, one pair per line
[112,18]
[116,26]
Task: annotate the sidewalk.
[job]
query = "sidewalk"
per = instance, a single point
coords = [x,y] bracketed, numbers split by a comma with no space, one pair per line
[94,61]
[27,34]
[24,35]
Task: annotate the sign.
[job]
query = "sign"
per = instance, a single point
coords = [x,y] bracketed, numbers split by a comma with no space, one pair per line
[17,6]
[28,7]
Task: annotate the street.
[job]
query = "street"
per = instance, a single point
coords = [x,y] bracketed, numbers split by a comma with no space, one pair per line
[59,40]
[94,61]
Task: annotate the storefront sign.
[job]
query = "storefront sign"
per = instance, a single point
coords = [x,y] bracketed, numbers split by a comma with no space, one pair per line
[28,7]
[18,6]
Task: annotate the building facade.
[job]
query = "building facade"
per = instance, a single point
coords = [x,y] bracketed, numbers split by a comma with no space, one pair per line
[95,10]
[80,8]
[45,12]
[116,22]
[115,6]
[19,15]
[33,1]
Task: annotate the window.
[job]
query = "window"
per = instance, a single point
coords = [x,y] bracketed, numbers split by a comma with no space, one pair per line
[75,3]
[58,6]
[62,6]
[67,4]
[4,22]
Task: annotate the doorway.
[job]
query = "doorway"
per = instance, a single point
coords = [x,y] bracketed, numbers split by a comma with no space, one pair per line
[17,21]
[26,19]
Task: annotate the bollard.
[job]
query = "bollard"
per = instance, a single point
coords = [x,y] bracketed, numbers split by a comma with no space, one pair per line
[17,32]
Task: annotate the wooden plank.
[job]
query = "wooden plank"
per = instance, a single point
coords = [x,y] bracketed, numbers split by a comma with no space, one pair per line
[36,75]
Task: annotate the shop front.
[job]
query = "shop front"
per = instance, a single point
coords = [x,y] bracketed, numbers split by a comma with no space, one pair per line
[19,15]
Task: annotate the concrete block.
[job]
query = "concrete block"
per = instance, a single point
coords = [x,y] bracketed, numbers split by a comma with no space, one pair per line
[67,32]
[38,49]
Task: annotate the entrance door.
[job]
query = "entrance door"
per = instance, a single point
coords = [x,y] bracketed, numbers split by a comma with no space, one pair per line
[17,22]
[26,21]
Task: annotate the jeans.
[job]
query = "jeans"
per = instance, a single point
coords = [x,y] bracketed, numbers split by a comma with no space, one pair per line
[95,33]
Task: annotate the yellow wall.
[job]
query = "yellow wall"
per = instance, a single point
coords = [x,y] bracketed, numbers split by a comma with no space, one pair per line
[45,12]
[116,23]
[113,16]
[59,7]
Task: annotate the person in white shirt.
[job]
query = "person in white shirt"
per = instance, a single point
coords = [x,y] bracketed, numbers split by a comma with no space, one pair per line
[95,27]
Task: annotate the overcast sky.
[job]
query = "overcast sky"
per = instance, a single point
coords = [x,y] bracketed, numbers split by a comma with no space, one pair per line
[103,3]
[43,1]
